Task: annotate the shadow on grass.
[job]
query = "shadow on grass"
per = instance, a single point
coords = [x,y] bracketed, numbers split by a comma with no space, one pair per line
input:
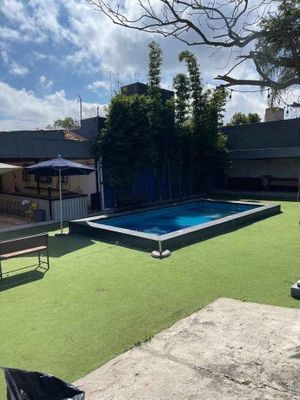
[12,281]
[58,245]
[62,245]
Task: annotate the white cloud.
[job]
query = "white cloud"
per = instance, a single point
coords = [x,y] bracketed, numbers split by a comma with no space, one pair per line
[38,21]
[98,85]
[106,46]
[14,11]
[246,103]
[32,111]
[102,46]
[46,19]
[45,83]
[9,34]
[96,45]
[17,69]
[4,56]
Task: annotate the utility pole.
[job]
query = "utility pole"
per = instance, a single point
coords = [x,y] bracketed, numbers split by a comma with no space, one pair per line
[100,181]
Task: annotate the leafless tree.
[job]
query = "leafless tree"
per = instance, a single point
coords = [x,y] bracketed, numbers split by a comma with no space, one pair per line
[231,24]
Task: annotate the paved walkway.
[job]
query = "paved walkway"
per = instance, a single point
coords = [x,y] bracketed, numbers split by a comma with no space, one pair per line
[9,221]
[229,350]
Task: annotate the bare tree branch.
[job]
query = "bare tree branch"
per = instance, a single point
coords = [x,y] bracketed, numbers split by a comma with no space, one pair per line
[219,23]
[258,82]
[178,20]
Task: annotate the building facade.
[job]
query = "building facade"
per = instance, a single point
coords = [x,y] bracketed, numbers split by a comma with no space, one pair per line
[264,155]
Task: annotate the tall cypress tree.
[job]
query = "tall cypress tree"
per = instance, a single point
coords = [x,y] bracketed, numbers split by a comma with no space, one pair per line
[195,129]
[195,85]
[157,113]
[181,84]
[154,72]
[204,128]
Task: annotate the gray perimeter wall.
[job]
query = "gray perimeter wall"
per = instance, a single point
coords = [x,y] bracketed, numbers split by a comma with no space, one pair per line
[263,149]
[41,145]
[264,135]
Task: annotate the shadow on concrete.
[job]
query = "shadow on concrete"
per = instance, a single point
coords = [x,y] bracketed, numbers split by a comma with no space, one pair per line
[297,353]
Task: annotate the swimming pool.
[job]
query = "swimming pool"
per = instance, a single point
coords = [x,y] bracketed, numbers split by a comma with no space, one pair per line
[170,219]
[175,225]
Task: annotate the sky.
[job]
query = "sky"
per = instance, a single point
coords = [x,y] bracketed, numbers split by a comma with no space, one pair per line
[52,51]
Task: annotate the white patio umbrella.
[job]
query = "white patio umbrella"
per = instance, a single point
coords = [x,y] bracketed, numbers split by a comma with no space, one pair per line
[4,168]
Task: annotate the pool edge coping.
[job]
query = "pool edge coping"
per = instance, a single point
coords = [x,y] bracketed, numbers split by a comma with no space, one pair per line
[200,231]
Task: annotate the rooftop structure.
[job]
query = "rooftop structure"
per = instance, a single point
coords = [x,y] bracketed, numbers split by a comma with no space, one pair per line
[90,127]
[141,88]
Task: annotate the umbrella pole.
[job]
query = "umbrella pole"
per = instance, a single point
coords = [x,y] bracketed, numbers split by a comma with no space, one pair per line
[60,202]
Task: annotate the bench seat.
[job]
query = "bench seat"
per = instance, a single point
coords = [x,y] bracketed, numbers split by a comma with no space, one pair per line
[25,245]
[21,252]
[284,182]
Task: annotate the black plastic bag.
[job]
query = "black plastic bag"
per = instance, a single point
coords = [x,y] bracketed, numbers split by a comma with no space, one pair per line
[31,385]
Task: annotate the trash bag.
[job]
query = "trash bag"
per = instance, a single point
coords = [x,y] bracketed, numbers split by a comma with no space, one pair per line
[32,385]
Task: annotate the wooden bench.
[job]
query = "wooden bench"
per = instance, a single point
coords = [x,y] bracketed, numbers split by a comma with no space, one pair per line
[24,245]
[284,183]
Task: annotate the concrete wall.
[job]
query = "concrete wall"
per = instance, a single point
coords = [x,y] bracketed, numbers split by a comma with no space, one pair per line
[90,127]
[263,135]
[40,145]
[268,148]
[278,168]
[274,114]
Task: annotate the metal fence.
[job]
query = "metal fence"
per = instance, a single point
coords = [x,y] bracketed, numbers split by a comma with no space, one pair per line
[24,206]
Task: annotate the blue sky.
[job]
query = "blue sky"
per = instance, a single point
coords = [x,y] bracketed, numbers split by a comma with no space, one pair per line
[51,51]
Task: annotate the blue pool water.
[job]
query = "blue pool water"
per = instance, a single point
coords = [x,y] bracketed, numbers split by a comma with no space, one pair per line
[169,219]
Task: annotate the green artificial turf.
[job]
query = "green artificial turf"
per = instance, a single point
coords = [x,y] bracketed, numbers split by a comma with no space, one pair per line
[97,299]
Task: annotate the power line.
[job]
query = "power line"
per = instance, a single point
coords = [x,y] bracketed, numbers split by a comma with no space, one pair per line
[248,91]
[281,100]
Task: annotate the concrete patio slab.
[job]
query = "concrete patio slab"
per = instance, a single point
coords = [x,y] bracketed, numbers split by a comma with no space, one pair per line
[228,350]
[7,221]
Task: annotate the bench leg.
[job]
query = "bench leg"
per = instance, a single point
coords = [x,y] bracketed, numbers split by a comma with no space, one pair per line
[48,262]
[39,257]
[0,271]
